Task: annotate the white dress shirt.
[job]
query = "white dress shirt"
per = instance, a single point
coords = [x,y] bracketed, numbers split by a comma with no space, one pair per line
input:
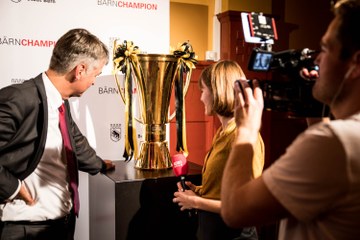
[48,184]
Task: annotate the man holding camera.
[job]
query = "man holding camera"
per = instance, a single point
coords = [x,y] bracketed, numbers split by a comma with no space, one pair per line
[314,188]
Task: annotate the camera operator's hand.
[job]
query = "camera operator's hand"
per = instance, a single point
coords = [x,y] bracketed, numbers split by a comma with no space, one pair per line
[309,74]
[249,104]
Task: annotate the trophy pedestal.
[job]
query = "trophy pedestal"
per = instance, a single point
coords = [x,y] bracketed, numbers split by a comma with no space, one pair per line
[130,204]
[154,155]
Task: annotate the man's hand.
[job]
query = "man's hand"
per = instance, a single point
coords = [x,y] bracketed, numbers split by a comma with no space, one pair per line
[309,75]
[108,165]
[25,195]
[249,105]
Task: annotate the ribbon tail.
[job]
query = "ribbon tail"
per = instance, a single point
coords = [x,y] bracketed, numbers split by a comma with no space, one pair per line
[183,137]
[178,105]
[180,112]
[134,133]
[184,143]
[126,154]
[129,118]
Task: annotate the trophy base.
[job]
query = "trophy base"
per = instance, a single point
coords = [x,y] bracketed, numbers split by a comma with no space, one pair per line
[153,156]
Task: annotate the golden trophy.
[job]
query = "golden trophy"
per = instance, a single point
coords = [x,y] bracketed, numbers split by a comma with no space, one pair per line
[153,76]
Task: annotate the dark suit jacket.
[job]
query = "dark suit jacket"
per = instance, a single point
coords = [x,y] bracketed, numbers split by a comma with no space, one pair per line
[23,129]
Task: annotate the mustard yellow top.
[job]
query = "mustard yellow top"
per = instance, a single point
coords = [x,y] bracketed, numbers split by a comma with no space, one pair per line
[216,159]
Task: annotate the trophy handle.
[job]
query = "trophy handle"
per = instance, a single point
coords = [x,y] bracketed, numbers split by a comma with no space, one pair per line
[123,97]
[186,87]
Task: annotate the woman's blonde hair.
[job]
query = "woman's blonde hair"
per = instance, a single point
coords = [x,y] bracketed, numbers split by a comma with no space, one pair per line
[220,78]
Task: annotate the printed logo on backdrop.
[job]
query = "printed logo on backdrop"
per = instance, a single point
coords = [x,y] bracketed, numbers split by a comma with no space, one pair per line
[44,1]
[26,42]
[113,90]
[17,80]
[115,132]
[129,5]
[108,90]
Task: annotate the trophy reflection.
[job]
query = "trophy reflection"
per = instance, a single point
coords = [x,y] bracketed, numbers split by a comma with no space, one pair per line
[154,76]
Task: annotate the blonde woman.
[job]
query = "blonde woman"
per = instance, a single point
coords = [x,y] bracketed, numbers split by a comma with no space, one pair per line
[216,83]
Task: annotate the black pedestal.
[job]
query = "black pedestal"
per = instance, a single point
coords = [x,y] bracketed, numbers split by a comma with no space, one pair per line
[128,203]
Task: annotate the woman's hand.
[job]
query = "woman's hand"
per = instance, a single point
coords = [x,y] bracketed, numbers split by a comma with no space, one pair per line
[185,199]
[188,184]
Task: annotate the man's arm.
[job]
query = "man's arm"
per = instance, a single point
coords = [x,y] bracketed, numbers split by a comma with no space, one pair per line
[246,202]
[88,161]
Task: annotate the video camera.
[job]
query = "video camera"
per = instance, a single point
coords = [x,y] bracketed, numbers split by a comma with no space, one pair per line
[287,91]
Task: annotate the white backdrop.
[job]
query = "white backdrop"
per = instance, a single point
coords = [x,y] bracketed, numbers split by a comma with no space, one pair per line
[28,32]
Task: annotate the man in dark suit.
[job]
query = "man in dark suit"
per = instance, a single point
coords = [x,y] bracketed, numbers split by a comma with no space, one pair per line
[38,194]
